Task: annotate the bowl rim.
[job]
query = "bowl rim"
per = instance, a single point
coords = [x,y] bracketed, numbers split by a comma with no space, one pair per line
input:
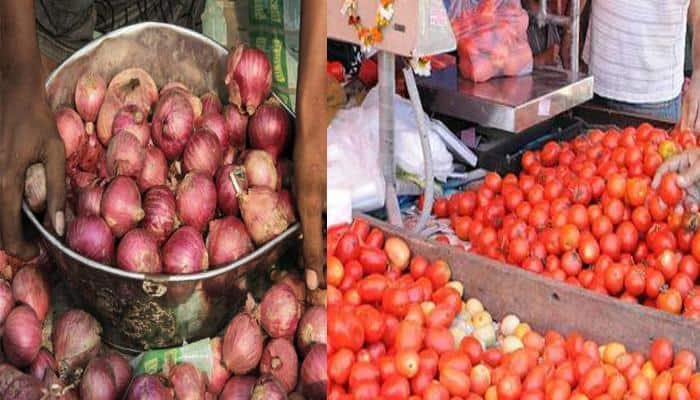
[159,278]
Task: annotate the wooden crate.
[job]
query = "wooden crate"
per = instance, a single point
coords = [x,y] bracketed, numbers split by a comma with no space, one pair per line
[548,304]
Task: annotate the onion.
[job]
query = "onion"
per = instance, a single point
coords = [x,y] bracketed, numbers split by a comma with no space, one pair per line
[7,301]
[97,382]
[237,125]
[93,150]
[72,131]
[76,340]
[121,370]
[314,376]
[174,85]
[177,87]
[21,339]
[202,153]
[149,387]
[188,382]
[155,169]
[89,93]
[35,187]
[125,155]
[268,387]
[312,329]
[248,78]
[81,180]
[160,218]
[216,123]
[196,200]
[43,361]
[110,106]
[219,373]
[230,155]
[121,205]
[31,288]
[243,344]
[91,237]
[138,252]
[260,169]
[295,283]
[89,200]
[133,119]
[238,388]
[184,252]
[227,240]
[279,359]
[134,86]
[227,198]
[210,103]
[261,212]
[172,124]
[280,311]
[286,205]
[14,385]
[56,388]
[268,129]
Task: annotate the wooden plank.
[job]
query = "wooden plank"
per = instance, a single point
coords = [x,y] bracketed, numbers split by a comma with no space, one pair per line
[548,304]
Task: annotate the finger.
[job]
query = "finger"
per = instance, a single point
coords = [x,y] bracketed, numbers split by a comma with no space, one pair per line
[54,161]
[313,254]
[673,163]
[311,279]
[689,177]
[685,117]
[11,187]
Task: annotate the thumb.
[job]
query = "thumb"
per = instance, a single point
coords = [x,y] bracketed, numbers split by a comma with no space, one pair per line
[54,161]
[689,176]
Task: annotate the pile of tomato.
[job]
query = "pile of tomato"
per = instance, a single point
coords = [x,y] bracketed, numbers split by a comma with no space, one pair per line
[585,212]
[391,336]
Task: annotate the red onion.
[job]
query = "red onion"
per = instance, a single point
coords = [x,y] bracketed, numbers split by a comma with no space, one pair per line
[72,131]
[35,187]
[134,86]
[219,373]
[286,205]
[238,388]
[216,123]
[177,87]
[138,252]
[314,375]
[172,124]
[295,283]
[91,237]
[135,120]
[268,387]
[279,359]
[312,329]
[56,388]
[21,338]
[280,311]
[230,155]
[227,240]
[248,77]
[97,382]
[81,180]
[227,198]
[237,125]
[261,212]
[160,218]
[184,252]
[210,103]
[173,85]
[110,106]
[125,155]
[121,205]
[93,150]
[268,129]
[188,382]
[196,200]
[76,340]
[121,370]
[155,169]
[31,288]
[14,385]
[202,153]
[260,169]
[89,200]
[243,344]
[149,387]
[7,301]
[44,361]
[89,93]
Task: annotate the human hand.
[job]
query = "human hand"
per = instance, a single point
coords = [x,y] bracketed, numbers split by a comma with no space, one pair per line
[687,165]
[690,108]
[28,135]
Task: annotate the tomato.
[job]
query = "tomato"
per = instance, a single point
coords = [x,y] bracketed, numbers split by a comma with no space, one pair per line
[694,386]
[601,226]
[334,271]
[661,354]
[339,364]
[641,218]
[509,388]
[440,208]
[594,382]
[533,264]
[681,374]
[345,329]
[695,247]
[617,386]
[456,382]
[569,236]
[635,282]
[493,181]
[615,210]
[518,249]
[686,358]
[636,191]
[472,348]
[668,189]
[453,205]
[578,216]
[550,153]
[439,273]
[407,363]
[571,263]
[661,386]
[441,316]
[651,163]
[395,301]
[409,336]
[679,392]
[362,371]
[628,236]
[535,194]
[682,283]
[371,288]
[616,186]
[395,388]
[348,248]
[439,339]
[435,391]
[479,379]
[418,266]
[372,322]
[375,239]
[614,279]
[558,390]
[610,245]
[421,381]
[689,266]
[581,192]
[492,356]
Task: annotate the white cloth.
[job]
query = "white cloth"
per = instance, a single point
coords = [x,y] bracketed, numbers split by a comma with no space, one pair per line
[635,49]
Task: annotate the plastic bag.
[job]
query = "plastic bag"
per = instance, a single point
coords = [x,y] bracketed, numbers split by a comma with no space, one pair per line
[491,38]
[198,354]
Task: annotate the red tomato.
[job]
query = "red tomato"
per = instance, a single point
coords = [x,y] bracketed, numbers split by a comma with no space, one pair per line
[372,321]
[456,382]
[509,388]
[339,364]
[371,287]
[435,391]
[467,203]
[396,388]
[668,189]
[615,279]
[439,339]
[407,363]
[345,329]
[571,263]
[375,239]
[409,336]
[661,354]
[395,301]
[439,273]
[348,248]
[569,236]
[472,348]
[362,371]
[594,382]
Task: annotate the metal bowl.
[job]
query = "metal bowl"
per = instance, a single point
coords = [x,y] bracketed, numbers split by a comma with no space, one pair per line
[142,311]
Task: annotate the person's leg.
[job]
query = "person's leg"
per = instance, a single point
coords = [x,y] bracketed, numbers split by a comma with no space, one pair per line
[665,110]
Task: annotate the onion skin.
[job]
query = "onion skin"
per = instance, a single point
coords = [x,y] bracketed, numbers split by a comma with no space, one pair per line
[177,87]
[173,85]
[56,388]
[14,385]
[155,169]
[202,153]
[89,93]
[238,388]
[243,344]
[30,287]
[72,131]
[134,86]
[97,382]
[121,370]
[219,373]
[43,361]
[227,198]
[210,103]
[138,252]
[237,125]
[133,119]
[173,120]
[149,387]
[184,252]
[295,283]
[314,375]
[109,109]
[21,339]
[230,155]
[76,340]
[195,200]
[268,129]
[81,180]
[89,200]
[7,300]
[216,123]
[188,382]
[279,359]
[248,78]
[260,169]
[268,387]
[121,205]
[91,237]
[35,187]
[227,240]
[311,329]
[125,155]
[280,311]
[262,214]
[93,151]
[286,205]
[160,218]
